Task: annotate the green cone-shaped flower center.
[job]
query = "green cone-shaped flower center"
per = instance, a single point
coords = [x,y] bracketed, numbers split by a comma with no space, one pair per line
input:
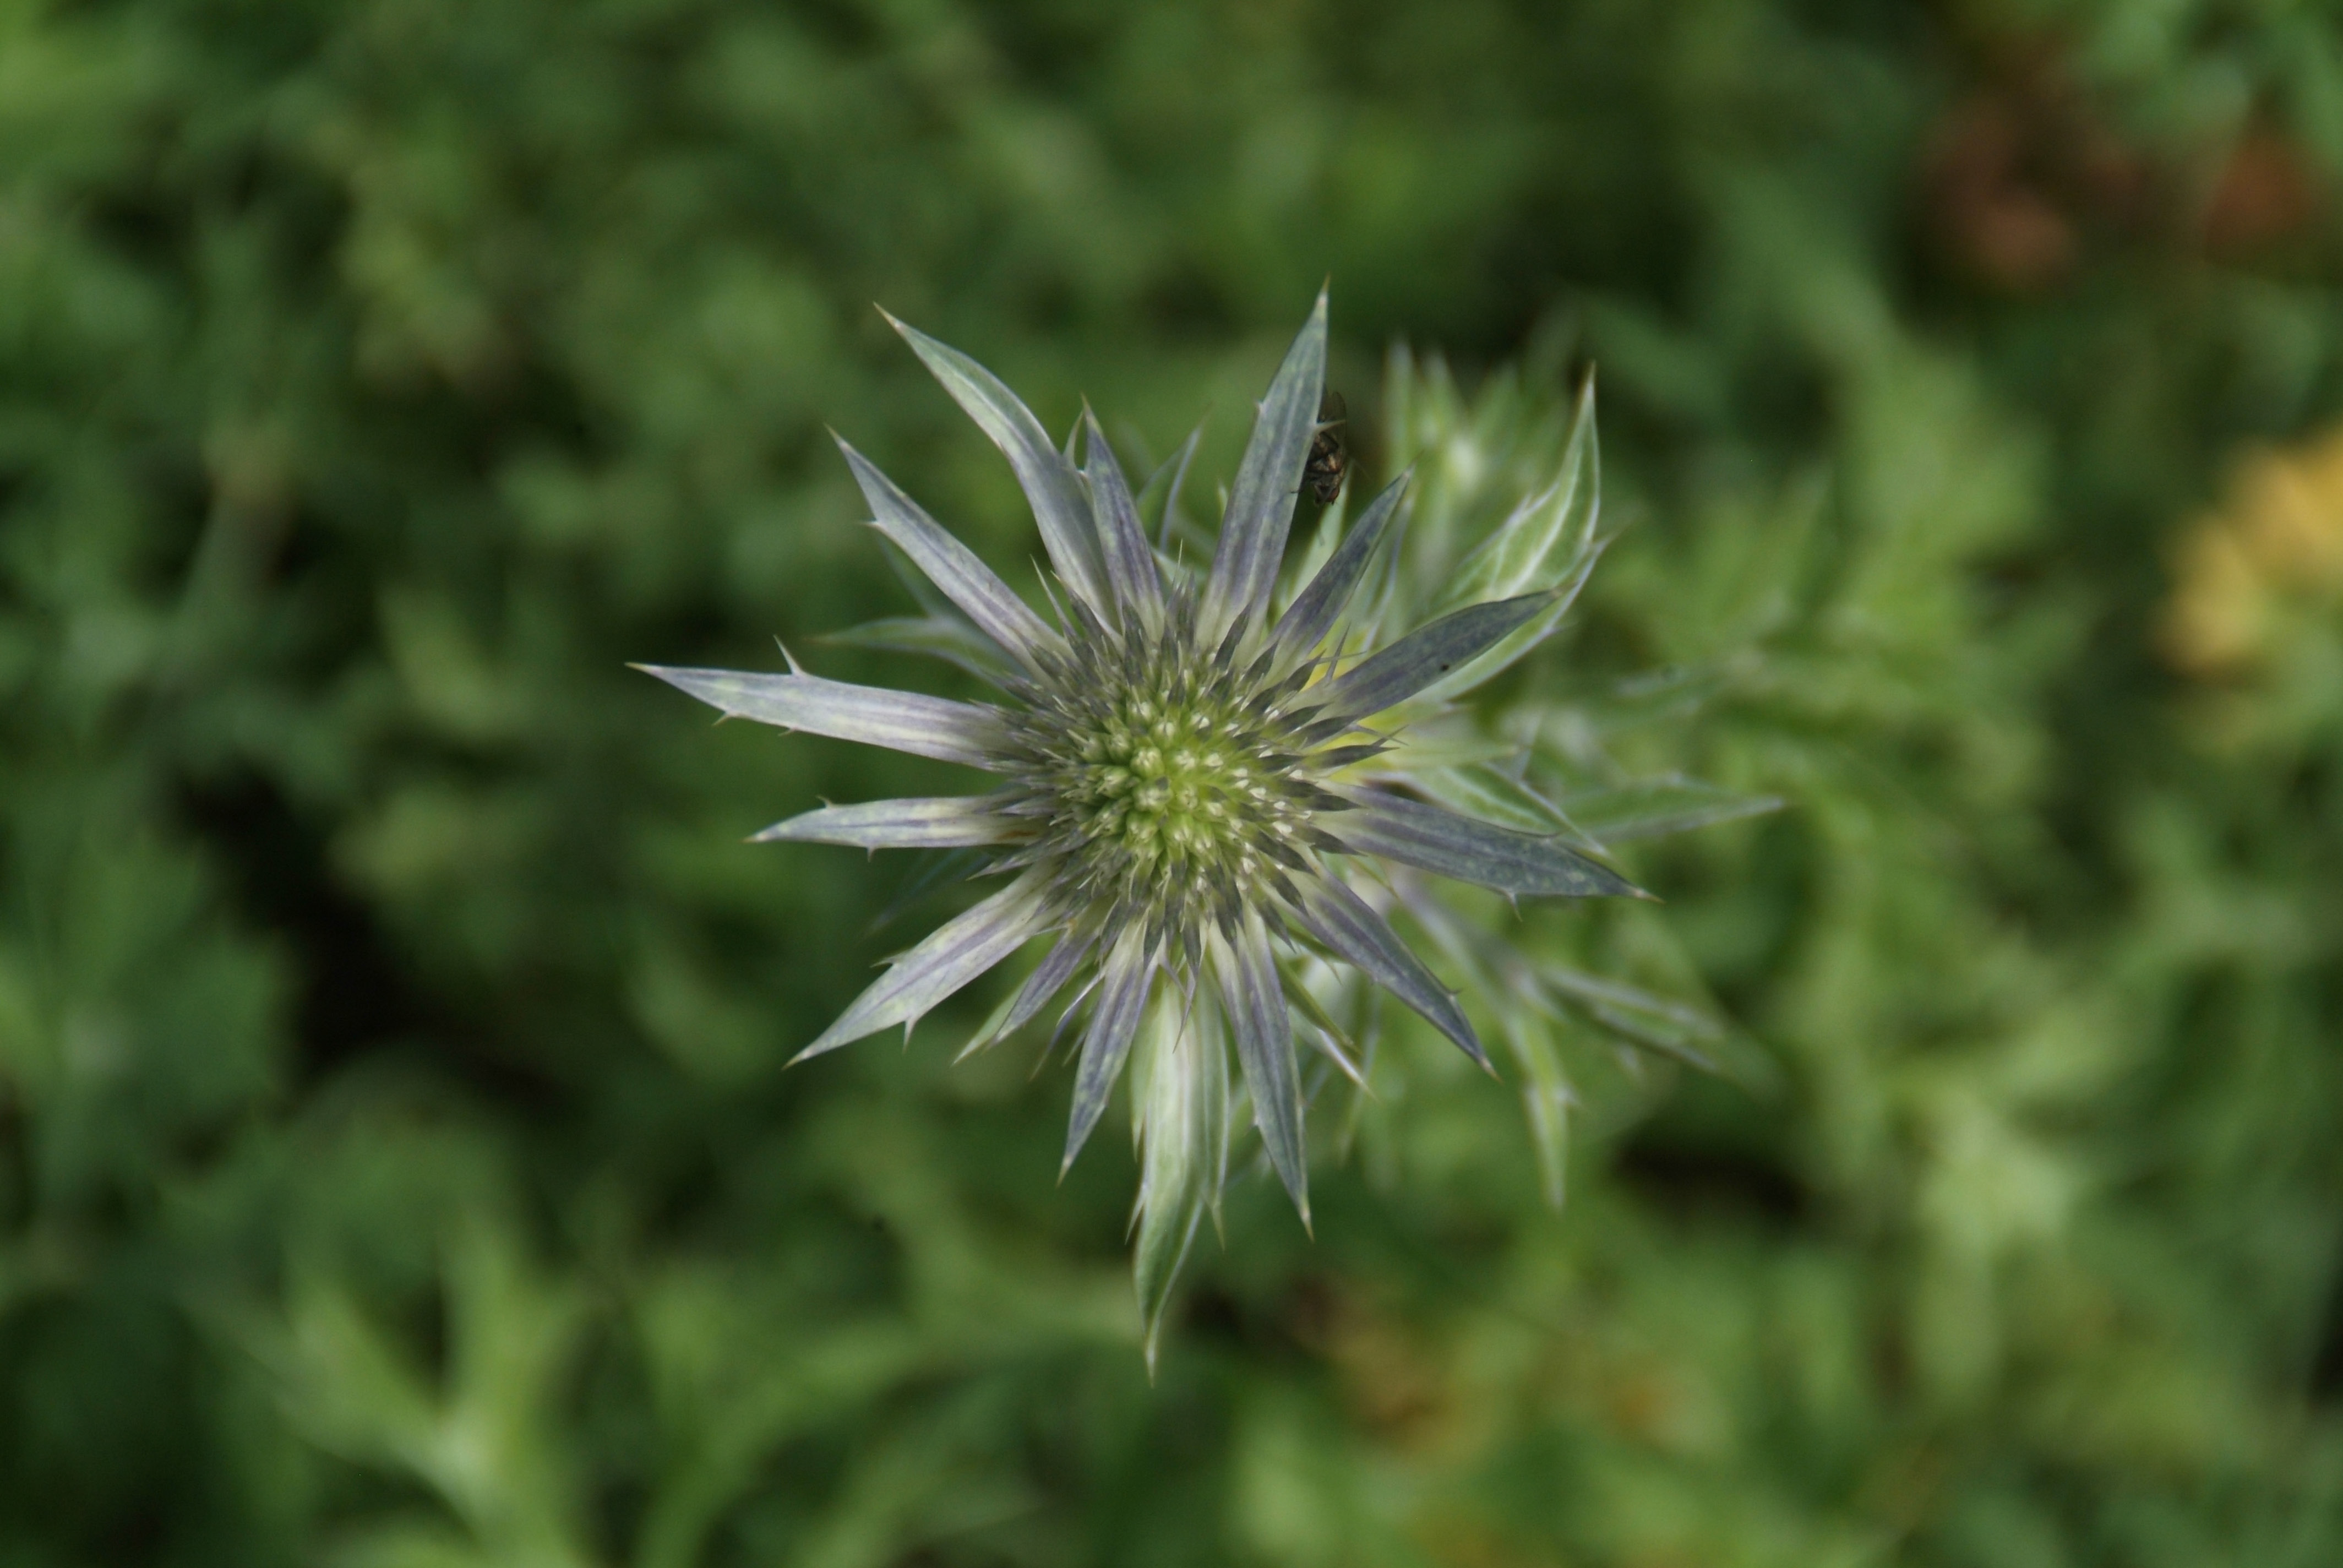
[1172,783]
[1162,777]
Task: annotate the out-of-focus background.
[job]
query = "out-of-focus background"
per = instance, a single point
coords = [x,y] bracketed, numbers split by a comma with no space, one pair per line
[397,1168]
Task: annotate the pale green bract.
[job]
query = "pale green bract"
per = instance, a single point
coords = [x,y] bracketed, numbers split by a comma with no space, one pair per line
[1213,795]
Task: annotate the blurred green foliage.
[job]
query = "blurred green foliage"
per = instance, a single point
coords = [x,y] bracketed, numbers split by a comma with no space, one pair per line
[395,1165]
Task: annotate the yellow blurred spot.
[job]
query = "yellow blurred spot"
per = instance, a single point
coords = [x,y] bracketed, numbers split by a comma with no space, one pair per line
[2273,548]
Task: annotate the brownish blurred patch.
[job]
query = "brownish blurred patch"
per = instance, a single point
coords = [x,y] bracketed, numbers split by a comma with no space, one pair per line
[2266,195]
[1394,1384]
[1406,1390]
[2028,173]
[2017,174]
[1454,1540]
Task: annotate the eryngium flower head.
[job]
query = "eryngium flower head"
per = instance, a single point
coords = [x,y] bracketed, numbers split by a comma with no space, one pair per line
[1194,793]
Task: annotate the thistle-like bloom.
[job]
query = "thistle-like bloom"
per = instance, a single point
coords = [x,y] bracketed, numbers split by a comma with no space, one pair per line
[1199,791]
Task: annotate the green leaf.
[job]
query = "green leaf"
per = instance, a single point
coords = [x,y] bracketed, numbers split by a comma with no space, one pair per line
[1052,487]
[1653,1022]
[873,715]
[952,956]
[1547,539]
[1416,661]
[1434,838]
[1260,510]
[1181,1123]
[1655,808]
[970,585]
[950,639]
[1346,923]
[929,822]
[1125,975]
[1546,1096]
[1483,791]
[1255,999]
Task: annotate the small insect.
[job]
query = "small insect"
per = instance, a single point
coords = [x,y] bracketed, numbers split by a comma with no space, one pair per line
[1329,460]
